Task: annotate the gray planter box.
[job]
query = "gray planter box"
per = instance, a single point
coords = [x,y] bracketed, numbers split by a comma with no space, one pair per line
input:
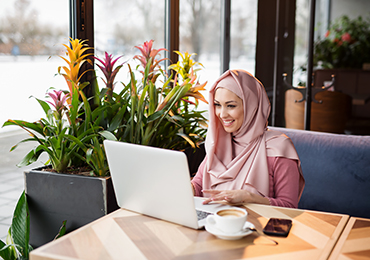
[54,197]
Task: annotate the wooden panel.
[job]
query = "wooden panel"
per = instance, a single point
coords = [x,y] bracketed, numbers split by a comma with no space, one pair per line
[354,242]
[329,116]
[127,235]
[294,111]
[332,114]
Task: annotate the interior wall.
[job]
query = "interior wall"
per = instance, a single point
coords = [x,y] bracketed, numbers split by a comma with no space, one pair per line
[352,8]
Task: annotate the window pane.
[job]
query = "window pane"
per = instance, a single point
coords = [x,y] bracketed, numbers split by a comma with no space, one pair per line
[122,24]
[31,38]
[243,34]
[200,34]
[301,41]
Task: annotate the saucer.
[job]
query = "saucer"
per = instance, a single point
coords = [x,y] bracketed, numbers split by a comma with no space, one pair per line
[218,233]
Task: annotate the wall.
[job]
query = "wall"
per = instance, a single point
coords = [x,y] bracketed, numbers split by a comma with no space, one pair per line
[352,8]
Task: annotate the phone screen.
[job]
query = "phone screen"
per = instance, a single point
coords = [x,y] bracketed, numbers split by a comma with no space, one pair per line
[278,227]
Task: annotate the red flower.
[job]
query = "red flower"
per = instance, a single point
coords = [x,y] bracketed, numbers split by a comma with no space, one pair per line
[338,42]
[107,67]
[346,37]
[327,33]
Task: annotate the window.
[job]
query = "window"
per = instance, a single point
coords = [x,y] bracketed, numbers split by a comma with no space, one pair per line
[134,23]
[243,35]
[31,39]
[200,34]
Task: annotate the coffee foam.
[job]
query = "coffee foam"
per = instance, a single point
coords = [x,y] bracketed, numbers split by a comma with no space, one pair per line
[230,213]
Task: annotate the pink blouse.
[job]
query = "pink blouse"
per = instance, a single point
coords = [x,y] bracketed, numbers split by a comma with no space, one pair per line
[284,181]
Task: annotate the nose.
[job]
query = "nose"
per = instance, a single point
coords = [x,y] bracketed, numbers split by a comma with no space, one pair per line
[223,112]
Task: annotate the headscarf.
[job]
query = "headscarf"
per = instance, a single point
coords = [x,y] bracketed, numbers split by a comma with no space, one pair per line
[239,160]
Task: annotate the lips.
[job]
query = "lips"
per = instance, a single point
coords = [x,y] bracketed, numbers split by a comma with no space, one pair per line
[228,122]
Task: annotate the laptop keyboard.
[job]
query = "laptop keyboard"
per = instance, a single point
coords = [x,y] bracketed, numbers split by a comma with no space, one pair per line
[202,214]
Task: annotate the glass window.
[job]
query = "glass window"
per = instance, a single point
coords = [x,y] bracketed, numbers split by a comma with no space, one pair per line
[122,24]
[200,34]
[243,35]
[301,41]
[31,38]
[301,34]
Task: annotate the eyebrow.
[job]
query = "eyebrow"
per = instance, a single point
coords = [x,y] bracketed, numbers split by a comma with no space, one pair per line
[227,102]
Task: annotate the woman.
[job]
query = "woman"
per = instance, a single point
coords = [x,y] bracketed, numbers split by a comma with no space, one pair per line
[246,162]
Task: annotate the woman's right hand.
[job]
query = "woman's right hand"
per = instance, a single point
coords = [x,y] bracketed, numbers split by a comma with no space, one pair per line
[234,197]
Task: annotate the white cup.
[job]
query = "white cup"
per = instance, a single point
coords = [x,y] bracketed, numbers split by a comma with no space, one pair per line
[228,220]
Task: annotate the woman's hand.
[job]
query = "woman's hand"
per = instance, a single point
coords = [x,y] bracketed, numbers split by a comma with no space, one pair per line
[235,197]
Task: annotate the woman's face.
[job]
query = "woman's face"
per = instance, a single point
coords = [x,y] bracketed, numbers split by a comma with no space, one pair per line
[229,109]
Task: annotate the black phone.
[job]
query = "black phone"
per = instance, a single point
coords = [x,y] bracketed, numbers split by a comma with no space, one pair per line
[278,227]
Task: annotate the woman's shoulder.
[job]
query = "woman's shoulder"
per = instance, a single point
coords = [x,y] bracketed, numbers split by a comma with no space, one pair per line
[278,144]
[274,135]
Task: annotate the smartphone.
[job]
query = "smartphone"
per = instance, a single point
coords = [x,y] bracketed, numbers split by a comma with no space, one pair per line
[278,227]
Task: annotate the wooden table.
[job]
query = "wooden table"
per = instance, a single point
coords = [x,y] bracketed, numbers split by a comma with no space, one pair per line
[128,235]
[354,243]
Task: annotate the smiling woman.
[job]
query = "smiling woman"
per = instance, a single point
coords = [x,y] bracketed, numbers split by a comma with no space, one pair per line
[246,162]
[229,109]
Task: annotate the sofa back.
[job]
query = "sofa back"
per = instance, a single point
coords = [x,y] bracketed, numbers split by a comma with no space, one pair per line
[336,169]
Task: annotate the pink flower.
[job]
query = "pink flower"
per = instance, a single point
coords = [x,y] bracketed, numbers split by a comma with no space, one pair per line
[148,53]
[59,100]
[346,37]
[107,67]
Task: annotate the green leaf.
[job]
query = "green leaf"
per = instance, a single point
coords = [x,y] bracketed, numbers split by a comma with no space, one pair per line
[37,127]
[7,252]
[45,106]
[33,156]
[108,135]
[155,116]
[21,225]
[117,119]
[62,230]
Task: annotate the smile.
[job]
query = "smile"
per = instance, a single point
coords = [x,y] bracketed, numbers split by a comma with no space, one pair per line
[227,123]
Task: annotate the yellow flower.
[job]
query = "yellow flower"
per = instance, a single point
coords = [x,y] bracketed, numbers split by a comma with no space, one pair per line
[76,59]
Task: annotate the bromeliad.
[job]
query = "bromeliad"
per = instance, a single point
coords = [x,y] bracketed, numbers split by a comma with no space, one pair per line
[148,55]
[107,67]
[77,57]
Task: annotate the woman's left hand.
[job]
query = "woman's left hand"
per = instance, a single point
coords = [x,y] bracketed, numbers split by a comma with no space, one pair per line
[234,197]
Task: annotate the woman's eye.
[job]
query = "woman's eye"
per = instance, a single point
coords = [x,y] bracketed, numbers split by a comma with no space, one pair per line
[216,104]
[231,106]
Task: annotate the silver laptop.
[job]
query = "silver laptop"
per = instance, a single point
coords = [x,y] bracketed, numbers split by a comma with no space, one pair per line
[155,182]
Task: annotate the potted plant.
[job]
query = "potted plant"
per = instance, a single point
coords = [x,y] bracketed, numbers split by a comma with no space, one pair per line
[346,44]
[152,109]
[345,53]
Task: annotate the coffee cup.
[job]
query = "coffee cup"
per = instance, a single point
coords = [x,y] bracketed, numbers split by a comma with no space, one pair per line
[228,220]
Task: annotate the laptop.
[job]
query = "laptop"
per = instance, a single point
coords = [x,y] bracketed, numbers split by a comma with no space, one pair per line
[155,182]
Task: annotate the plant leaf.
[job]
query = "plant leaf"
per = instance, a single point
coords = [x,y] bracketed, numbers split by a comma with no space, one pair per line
[62,230]
[7,252]
[21,225]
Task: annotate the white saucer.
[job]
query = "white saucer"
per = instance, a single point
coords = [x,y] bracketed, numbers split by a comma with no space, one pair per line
[218,233]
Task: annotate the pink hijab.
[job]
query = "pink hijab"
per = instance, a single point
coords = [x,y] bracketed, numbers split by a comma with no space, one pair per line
[239,160]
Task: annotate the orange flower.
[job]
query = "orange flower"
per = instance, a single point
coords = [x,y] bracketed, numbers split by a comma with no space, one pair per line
[76,59]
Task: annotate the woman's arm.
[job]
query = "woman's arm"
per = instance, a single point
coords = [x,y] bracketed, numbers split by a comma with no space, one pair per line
[284,175]
[235,197]
[197,181]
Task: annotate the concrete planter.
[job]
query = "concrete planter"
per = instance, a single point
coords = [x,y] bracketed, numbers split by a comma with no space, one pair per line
[55,197]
